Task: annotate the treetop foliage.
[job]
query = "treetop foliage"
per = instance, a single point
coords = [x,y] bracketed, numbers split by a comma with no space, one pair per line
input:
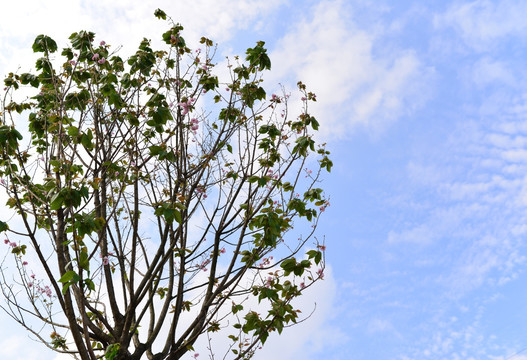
[154,203]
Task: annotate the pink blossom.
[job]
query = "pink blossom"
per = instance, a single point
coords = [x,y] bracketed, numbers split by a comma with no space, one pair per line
[302,285]
[103,43]
[187,106]
[322,247]
[30,285]
[222,251]
[24,263]
[196,355]
[95,56]
[13,244]
[32,276]
[204,264]
[303,98]
[320,274]
[105,260]
[73,62]
[6,241]
[194,125]
[102,61]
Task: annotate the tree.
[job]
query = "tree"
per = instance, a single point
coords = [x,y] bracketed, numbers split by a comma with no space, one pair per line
[150,221]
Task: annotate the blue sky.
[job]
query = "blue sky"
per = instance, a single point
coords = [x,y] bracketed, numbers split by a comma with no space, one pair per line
[424,106]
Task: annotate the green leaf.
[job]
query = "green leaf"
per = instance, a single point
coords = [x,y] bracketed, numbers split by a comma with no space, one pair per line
[160,14]
[3,226]
[70,276]
[56,202]
[31,79]
[111,351]
[44,43]
[314,124]
[288,265]
[236,308]
[258,57]
[89,283]
[156,150]
[84,261]
[73,131]
[82,41]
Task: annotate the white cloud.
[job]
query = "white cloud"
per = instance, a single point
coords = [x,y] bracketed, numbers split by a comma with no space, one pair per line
[338,61]
[491,72]
[15,347]
[379,325]
[482,23]
[419,235]
[317,333]
[120,22]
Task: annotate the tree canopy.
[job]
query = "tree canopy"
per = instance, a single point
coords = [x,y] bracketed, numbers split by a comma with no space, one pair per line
[155,203]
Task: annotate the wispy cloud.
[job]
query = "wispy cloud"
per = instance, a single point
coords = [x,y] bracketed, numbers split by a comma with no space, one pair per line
[483,24]
[338,60]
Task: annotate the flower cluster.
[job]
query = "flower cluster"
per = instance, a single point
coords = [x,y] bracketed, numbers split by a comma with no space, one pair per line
[46,290]
[187,106]
[194,124]
[272,174]
[98,58]
[203,265]
[320,273]
[201,191]
[105,259]
[324,206]
[7,242]
[265,262]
